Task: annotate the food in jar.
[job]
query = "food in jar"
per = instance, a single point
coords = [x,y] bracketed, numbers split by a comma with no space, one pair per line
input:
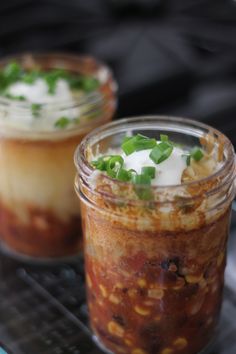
[156,216]
[48,103]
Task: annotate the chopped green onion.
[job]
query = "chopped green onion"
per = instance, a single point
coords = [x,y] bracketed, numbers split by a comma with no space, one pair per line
[149,171]
[35,108]
[85,83]
[123,175]
[145,144]
[142,186]
[128,146]
[12,72]
[13,97]
[144,192]
[62,122]
[51,77]
[141,179]
[164,137]
[132,172]
[197,154]
[137,143]
[31,76]
[188,160]
[114,164]
[89,84]
[101,163]
[161,152]
[126,138]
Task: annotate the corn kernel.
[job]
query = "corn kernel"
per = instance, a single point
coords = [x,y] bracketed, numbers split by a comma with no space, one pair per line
[180,343]
[142,283]
[142,311]
[192,279]
[196,306]
[114,299]
[128,342]
[138,351]
[89,281]
[103,290]
[156,293]
[167,351]
[119,285]
[115,329]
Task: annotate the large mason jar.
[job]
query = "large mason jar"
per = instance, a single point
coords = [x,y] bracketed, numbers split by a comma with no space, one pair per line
[155,266]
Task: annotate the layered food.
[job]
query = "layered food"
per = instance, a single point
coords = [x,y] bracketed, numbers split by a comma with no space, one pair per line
[47,104]
[156,221]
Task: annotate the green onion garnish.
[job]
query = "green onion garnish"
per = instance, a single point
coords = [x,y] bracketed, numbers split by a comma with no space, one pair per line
[35,108]
[161,152]
[141,179]
[188,160]
[123,175]
[145,144]
[30,77]
[128,146]
[142,186]
[164,137]
[62,122]
[89,84]
[144,192]
[113,165]
[149,171]
[13,72]
[137,143]
[101,163]
[197,154]
[13,97]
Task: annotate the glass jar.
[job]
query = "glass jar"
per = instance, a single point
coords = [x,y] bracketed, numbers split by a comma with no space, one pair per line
[39,210]
[155,268]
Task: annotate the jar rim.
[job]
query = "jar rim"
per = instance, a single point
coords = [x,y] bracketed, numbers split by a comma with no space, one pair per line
[83,165]
[62,60]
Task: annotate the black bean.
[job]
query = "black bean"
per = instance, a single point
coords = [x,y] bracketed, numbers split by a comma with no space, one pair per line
[166,264]
[119,320]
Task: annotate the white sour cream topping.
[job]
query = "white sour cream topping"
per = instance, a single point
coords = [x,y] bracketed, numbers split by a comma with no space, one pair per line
[168,172]
[38,91]
[49,112]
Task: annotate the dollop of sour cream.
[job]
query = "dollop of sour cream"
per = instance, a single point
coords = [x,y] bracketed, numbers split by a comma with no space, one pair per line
[168,172]
[37,92]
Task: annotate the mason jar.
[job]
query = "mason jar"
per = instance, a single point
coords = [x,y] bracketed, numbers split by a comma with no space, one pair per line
[155,267]
[39,210]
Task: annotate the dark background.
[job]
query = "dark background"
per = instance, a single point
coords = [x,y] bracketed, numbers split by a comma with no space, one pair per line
[169,57]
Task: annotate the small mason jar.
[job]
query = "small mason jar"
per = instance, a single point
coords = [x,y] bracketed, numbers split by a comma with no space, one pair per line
[155,268]
[39,210]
